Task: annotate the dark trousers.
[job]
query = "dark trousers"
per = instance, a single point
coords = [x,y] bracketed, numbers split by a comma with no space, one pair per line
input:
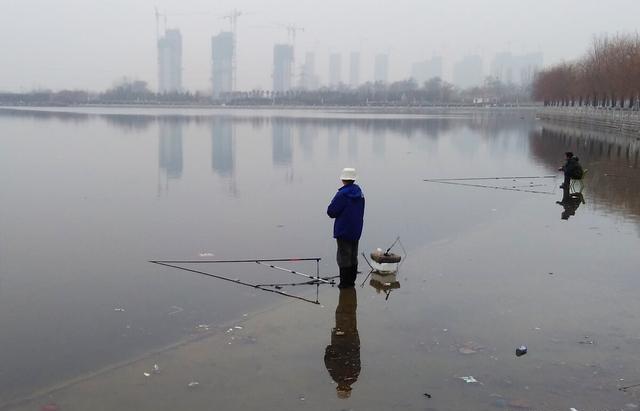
[347,258]
[567,181]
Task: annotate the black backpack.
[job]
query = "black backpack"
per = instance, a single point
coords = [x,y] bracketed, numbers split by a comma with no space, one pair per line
[577,171]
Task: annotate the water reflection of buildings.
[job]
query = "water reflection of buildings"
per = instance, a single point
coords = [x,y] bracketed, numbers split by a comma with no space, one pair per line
[306,137]
[223,159]
[169,152]
[379,142]
[342,356]
[282,143]
[333,141]
[612,161]
[222,147]
[352,143]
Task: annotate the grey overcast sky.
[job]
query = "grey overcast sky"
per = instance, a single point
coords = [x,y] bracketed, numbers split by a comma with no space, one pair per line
[88,44]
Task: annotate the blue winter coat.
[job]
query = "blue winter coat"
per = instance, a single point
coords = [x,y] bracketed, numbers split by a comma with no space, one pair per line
[347,207]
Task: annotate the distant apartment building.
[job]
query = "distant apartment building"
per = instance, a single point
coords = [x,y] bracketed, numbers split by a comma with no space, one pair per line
[308,77]
[516,69]
[222,51]
[468,72]
[282,67]
[335,69]
[354,69]
[423,71]
[381,68]
[170,62]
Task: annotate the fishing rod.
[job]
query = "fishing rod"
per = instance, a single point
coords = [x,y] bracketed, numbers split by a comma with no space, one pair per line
[486,186]
[255,260]
[275,267]
[490,178]
[239,282]
[310,282]
[390,247]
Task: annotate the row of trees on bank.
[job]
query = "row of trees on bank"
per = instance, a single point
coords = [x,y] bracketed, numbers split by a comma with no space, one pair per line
[401,93]
[608,75]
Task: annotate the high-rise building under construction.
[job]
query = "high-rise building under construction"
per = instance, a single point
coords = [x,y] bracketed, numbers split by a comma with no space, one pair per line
[282,67]
[354,69]
[222,53]
[381,68]
[335,70]
[170,62]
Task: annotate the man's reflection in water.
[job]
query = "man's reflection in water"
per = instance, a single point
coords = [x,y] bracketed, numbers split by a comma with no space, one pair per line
[570,202]
[342,356]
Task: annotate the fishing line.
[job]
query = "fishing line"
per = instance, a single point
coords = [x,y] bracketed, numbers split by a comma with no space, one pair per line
[486,186]
[489,178]
[171,264]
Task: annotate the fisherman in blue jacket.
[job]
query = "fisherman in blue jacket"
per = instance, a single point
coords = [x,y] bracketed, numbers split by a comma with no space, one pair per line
[347,207]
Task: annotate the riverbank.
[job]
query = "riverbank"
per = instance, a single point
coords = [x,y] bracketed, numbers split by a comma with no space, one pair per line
[209,109]
[626,122]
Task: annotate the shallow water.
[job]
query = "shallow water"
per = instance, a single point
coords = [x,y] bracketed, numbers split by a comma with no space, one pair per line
[88,198]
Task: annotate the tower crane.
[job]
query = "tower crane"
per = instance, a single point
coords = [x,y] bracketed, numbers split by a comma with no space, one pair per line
[232,16]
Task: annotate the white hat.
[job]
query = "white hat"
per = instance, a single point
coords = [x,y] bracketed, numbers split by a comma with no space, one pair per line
[348,174]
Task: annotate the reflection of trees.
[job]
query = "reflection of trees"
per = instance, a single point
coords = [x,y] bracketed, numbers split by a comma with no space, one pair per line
[406,125]
[612,161]
[63,117]
[129,123]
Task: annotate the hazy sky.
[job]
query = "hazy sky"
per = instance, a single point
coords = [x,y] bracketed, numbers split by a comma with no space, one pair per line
[88,44]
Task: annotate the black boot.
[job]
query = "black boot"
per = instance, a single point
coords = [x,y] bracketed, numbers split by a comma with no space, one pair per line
[353,273]
[345,278]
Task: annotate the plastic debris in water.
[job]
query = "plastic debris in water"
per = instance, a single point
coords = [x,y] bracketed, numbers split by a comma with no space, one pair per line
[237,327]
[50,407]
[175,310]
[193,384]
[426,394]
[146,374]
[469,379]
[572,409]
[520,351]
[120,310]
[156,369]
[206,254]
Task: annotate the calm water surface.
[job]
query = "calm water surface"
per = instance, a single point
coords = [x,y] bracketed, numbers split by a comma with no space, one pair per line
[88,197]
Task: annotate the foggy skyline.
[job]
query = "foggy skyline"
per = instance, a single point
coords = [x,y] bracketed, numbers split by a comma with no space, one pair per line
[86,44]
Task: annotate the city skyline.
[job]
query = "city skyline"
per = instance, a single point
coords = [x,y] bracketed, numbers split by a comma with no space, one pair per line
[117,40]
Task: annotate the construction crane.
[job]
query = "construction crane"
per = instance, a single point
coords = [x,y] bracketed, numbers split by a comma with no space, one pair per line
[158,15]
[232,16]
[292,31]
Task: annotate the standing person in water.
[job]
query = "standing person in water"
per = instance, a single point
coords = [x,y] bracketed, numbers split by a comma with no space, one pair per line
[347,208]
[572,169]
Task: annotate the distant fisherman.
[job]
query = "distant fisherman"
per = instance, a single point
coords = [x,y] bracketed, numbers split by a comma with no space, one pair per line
[347,207]
[572,169]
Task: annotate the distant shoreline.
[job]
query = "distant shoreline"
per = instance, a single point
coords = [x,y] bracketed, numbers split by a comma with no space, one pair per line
[206,109]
